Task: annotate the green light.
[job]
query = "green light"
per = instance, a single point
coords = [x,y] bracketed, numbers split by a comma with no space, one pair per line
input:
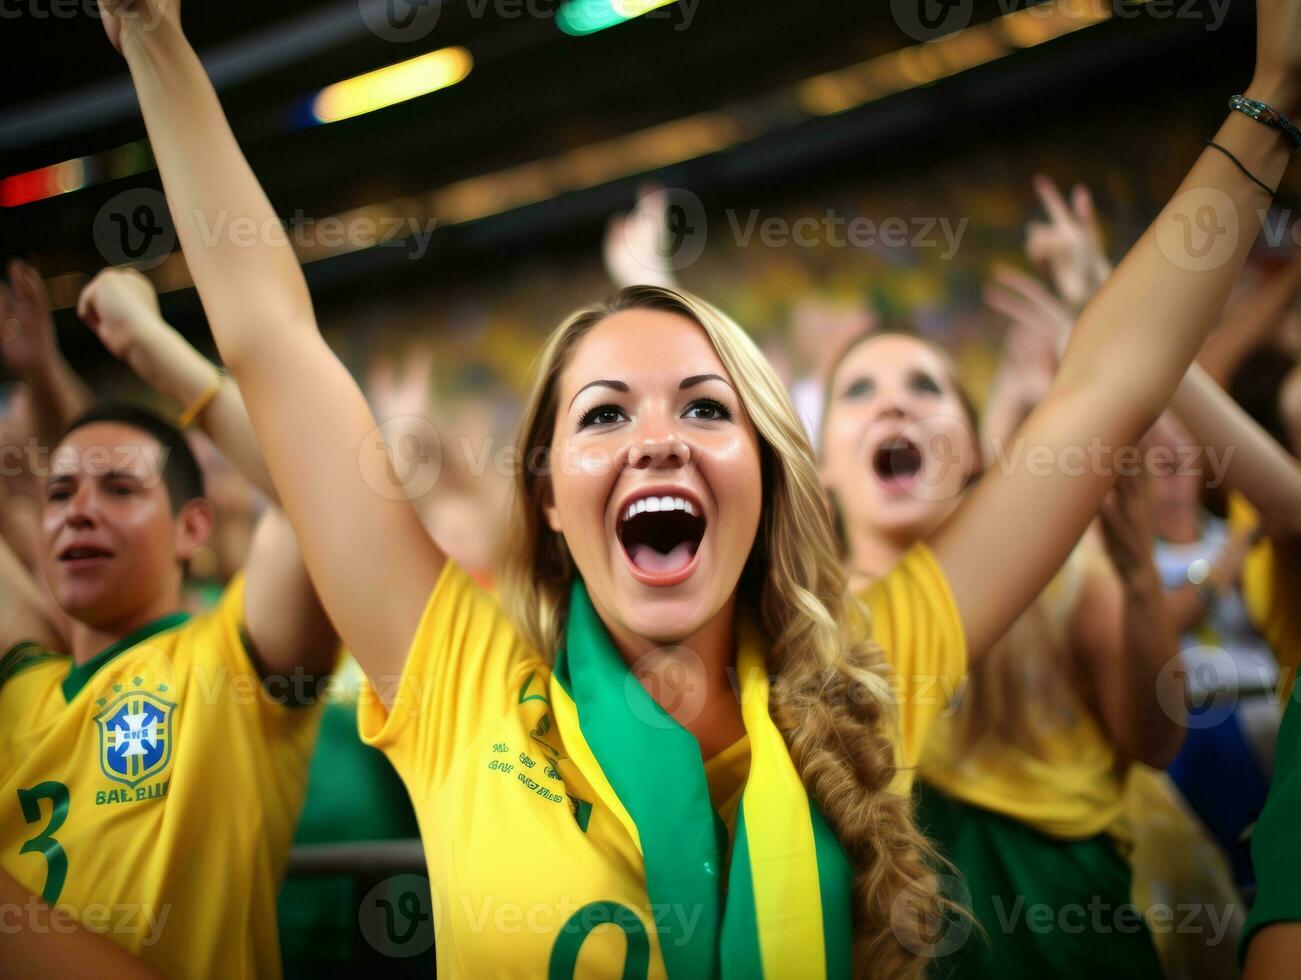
[580,17]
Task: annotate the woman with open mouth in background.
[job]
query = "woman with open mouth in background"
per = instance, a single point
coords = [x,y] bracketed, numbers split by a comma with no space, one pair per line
[1022,779]
[569,805]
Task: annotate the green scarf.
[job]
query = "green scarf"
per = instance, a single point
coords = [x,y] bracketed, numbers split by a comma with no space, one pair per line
[787,910]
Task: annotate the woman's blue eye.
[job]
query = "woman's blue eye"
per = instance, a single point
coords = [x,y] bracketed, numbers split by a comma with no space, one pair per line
[859,388]
[708,410]
[601,415]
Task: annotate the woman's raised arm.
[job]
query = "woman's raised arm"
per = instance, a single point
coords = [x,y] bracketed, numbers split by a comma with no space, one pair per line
[1130,348]
[373,564]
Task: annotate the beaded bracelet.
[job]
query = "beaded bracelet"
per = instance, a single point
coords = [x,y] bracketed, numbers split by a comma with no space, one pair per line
[1268,116]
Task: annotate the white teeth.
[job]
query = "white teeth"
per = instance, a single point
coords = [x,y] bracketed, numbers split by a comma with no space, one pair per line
[658,504]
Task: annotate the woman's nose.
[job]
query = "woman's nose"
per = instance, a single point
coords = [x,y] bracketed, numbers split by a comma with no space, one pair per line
[665,452]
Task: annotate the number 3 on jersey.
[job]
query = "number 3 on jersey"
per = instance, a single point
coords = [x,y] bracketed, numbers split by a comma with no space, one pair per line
[56,860]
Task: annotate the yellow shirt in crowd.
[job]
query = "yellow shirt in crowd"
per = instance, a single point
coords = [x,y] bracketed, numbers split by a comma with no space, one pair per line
[153,792]
[1069,784]
[532,865]
[1271,588]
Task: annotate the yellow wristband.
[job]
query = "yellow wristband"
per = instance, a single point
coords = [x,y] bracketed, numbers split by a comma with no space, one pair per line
[196,408]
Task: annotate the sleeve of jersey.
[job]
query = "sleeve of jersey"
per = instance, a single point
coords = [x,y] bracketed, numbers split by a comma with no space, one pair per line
[1275,843]
[1266,590]
[917,624]
[280,700]
[456,680]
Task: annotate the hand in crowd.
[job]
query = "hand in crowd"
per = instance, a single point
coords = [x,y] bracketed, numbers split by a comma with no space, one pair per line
[1028,303]
[26,327]
[121,307]
[125,20]
[1068,246]
[637,244]
[1125,518]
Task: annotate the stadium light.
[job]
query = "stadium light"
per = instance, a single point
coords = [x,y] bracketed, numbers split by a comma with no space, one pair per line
[393,84]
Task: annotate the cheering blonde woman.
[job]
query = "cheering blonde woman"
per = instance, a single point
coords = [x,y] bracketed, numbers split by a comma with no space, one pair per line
[582,817]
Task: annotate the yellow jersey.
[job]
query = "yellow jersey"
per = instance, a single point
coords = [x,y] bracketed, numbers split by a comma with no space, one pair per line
[1271,588]
[1070,784]
[535,868]
[153,791]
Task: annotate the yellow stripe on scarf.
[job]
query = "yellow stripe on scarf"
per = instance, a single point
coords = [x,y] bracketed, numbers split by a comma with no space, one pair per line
[581,753]
[783,858]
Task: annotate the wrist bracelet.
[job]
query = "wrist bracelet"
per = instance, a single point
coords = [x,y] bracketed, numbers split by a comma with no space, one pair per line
[1268,116]
[1252,177]
[199,404]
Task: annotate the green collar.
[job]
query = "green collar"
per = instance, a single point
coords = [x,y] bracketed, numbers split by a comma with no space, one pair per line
[81,673]
[654,766]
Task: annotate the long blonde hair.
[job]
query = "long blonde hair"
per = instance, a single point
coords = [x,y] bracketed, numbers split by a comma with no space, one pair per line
[831,696]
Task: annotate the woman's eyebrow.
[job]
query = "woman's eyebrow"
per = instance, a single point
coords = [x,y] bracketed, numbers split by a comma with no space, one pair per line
[603,383]
[696,379]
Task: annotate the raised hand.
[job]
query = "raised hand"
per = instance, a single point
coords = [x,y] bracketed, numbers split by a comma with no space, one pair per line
[126,19]
[636,243]
[1126,520]
[1068,246]
[26,328]
[121,307]
[1028,303]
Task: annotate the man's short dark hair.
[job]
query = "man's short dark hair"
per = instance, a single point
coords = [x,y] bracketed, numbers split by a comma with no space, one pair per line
[180,470]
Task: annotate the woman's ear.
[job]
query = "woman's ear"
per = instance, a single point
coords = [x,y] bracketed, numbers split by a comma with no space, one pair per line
[194,524]
[548,500]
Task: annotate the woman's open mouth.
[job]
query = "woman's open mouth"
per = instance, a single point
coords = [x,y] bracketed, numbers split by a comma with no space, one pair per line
[896,464]
[661,535]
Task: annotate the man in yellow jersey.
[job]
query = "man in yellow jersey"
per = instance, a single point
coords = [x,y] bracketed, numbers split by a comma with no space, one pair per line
[152,766]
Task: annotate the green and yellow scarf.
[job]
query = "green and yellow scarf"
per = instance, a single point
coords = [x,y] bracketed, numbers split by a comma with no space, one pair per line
[786,910]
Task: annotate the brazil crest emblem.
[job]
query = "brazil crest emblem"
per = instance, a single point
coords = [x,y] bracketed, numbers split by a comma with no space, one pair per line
[135,737]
